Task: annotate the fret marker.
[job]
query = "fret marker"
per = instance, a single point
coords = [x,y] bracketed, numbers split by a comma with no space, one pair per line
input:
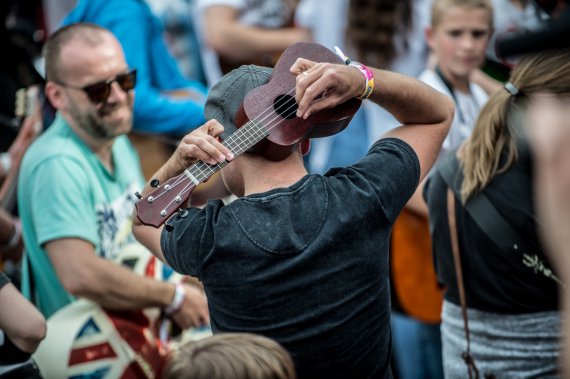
[191,177]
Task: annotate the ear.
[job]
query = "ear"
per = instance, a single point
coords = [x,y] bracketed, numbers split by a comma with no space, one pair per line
[55,95]
[305,146]
[429,37]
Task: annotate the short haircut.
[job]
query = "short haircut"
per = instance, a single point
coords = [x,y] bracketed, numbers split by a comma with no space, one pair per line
[439,7]
[230,355]
[90,34]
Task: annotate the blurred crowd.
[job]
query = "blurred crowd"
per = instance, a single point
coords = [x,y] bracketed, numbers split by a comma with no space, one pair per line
[427,239]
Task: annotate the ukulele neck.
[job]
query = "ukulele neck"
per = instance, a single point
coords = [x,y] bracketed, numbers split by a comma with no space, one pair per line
[238,143]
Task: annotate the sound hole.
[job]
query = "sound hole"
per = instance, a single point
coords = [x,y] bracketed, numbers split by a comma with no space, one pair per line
[285,106]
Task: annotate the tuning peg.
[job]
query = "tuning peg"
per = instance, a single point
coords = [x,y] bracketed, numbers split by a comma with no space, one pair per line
[138,195]
[168,227]
[154,183]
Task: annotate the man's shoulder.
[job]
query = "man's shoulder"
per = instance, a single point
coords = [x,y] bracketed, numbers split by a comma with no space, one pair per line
[388,144]
[387,157]
[56,142]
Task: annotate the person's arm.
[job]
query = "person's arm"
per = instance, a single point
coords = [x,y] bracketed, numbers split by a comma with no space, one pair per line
[10,237]
[417,204]
[20,320]
[484,81]
[548,129]
[84,274]
[425,114]
[230,38]
[201,144]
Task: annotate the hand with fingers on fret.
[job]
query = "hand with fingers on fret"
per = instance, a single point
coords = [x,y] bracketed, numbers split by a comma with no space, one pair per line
[202,144]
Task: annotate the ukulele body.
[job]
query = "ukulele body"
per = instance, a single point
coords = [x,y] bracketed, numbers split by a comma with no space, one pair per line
[273,104]
[267,125]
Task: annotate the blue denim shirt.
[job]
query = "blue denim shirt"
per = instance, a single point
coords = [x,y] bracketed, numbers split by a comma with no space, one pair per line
[305,265]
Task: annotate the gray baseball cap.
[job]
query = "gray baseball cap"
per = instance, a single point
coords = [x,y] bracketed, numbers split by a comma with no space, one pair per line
[228,94]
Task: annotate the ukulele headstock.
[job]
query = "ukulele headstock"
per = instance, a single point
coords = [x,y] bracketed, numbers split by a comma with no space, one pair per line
[158,206]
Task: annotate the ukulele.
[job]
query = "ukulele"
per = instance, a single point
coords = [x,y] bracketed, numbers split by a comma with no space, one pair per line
[267,123]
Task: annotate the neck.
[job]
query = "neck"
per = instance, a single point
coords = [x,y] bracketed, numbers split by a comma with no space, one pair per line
[458,82]
[262,175]
[101,147]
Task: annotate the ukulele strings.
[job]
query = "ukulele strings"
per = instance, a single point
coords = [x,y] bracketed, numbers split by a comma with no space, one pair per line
[211,169]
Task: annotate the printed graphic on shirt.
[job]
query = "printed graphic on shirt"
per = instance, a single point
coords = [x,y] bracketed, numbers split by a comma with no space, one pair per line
[114,223]
[267,13]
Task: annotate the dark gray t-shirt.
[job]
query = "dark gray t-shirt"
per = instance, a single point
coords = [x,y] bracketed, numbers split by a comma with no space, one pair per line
[305,265]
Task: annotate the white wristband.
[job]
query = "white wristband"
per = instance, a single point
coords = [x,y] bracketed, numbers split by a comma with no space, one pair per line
[177,301]
[5,162]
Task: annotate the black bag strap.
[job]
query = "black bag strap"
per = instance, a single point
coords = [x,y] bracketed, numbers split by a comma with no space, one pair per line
[452,222]
[482,211]
[453,177]
[491,222]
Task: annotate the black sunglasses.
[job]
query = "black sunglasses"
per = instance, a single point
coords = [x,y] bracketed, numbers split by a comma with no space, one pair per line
[99,92]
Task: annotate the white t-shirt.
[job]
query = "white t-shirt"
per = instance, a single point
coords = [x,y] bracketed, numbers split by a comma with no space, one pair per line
[260,13]
[467,108]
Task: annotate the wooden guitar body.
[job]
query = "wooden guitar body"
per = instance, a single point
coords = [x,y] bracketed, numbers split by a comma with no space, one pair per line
[413,274]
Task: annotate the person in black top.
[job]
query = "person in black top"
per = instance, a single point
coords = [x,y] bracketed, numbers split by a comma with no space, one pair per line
[22,328]
[511,294]
[303,259]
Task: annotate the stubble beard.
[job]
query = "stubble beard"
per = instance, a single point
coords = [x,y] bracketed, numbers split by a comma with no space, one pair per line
[94,125]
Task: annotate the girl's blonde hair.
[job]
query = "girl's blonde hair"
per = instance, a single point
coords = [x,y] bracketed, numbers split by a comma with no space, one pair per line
[497,130]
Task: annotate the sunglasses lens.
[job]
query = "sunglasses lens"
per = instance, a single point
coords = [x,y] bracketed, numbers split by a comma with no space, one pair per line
[127,81]
[98,92]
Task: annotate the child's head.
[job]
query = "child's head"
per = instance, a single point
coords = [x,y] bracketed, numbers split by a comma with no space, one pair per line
[230,355]
[459,34]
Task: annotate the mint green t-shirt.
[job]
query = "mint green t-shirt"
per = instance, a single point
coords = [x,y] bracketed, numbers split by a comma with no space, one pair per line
[64,191]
